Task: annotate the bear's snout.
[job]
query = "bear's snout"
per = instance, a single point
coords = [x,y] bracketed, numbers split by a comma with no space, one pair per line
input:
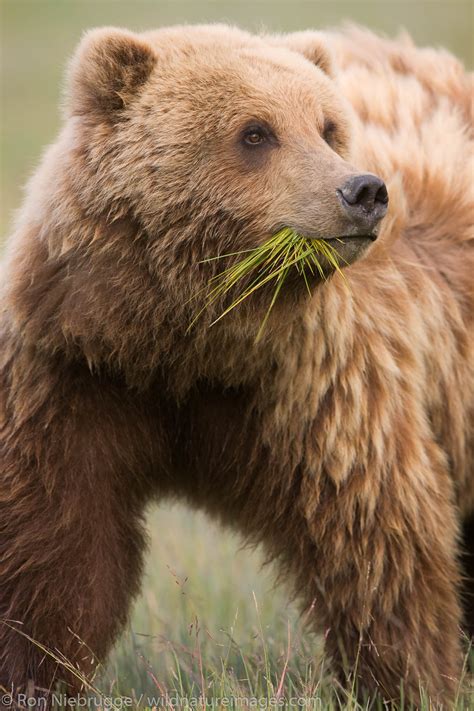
[364,198]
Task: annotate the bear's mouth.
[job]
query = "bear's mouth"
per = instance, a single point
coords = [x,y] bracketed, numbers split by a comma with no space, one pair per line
[351,247]
[285,257]
[349,238]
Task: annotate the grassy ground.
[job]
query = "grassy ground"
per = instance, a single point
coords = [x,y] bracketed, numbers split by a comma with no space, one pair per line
[211,623]
[210,630]
[208,621]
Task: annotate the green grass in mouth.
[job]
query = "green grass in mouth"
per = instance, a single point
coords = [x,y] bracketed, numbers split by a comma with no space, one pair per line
[271,262]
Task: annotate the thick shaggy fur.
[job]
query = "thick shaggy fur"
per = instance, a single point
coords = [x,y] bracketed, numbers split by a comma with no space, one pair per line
[339,441]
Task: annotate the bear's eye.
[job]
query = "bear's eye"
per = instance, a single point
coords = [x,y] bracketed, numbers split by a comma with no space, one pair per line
[254,138]
[255,135]
[329,131]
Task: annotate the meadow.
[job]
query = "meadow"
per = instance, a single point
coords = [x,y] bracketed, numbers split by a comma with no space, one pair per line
[210,623]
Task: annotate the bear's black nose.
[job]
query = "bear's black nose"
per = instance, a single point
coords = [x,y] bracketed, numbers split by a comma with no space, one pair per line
[365,199]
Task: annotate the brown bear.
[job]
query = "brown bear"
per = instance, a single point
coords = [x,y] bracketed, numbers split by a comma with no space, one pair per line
[339,440]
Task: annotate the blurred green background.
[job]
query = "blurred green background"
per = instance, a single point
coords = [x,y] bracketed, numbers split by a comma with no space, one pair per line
[194,569]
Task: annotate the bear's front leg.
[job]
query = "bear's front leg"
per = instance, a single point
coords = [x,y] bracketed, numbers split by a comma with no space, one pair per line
[386,581]
[76,458]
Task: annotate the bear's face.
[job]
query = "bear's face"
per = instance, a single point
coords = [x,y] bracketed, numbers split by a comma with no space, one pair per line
[214,139]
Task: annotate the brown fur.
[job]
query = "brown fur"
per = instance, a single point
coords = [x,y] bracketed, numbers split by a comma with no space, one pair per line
[340,440]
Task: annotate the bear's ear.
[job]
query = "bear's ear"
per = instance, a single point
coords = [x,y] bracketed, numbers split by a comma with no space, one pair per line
[311,45]
[107,70]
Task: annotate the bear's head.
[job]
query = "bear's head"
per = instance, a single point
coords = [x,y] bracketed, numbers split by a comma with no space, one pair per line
[187,143]
[210,121]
